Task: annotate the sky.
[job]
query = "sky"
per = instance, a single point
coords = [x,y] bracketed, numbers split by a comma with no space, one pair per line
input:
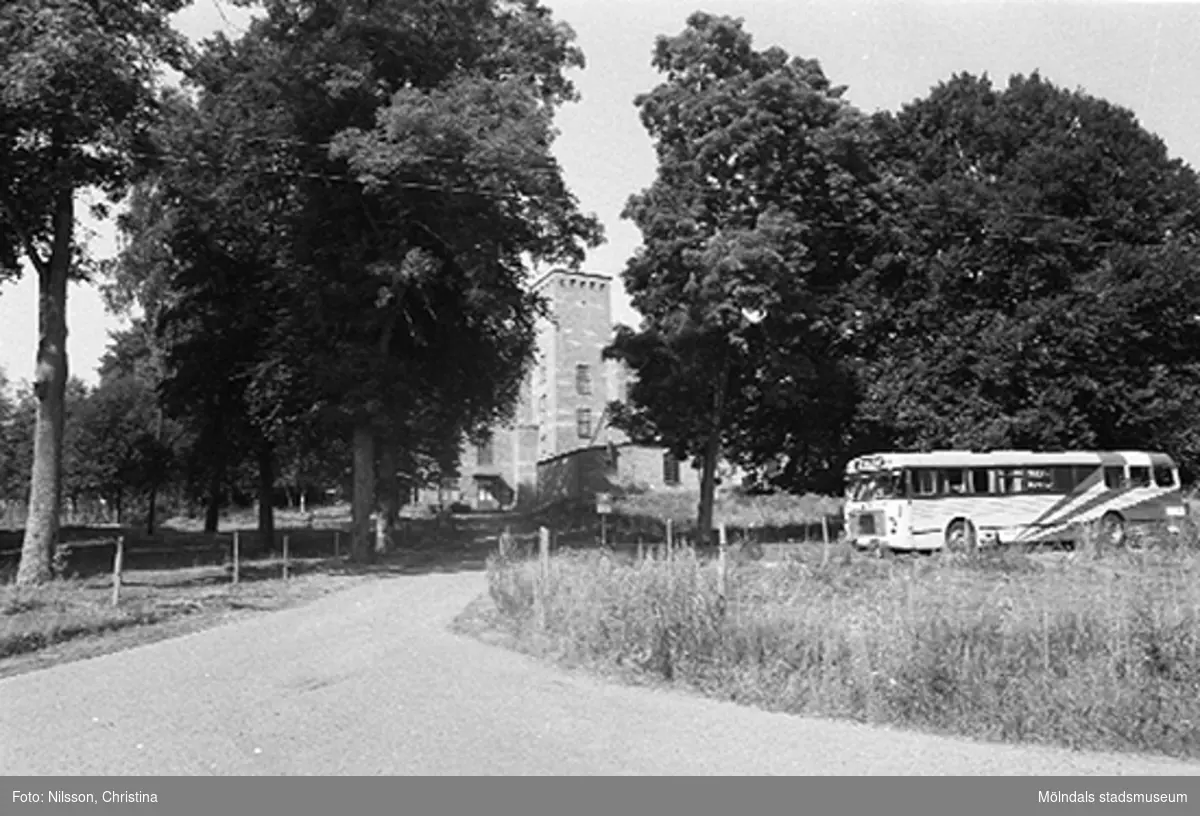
[888,52]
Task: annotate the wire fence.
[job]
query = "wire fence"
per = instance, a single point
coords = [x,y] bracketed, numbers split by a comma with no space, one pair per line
[93,555]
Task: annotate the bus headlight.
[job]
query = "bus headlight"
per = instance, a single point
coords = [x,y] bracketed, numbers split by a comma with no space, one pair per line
[891,526]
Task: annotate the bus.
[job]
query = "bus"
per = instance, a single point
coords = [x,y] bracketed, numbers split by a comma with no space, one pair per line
[960,500]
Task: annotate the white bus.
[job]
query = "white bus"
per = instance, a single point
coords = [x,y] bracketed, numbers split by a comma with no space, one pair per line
[964,499]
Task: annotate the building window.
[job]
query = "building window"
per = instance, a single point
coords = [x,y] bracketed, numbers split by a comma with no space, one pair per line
[670,469]
[583,423]
[583,379]
[484,452]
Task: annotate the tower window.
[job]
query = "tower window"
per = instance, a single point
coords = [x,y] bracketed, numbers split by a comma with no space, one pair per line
[583,379]
[670,469]
[484,452]
[583,423]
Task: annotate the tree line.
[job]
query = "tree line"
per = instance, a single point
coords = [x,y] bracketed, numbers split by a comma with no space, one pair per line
[990,266]
[328,226]
[126,461]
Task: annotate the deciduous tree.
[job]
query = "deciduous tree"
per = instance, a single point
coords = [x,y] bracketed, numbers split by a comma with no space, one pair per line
[751,231]
[76,95]
[1038,285]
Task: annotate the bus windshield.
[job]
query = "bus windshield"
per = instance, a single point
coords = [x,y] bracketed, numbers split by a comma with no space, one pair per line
[873,486]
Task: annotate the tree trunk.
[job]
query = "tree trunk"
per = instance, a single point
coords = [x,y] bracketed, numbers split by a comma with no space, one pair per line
[50,381]
[151,508]
[389,497]
[712,454]
[266,490]
[212,510]
[152,503]
[363,501]
[708,486]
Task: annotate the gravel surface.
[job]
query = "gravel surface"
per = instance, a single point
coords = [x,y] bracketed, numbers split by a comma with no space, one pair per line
[369,681]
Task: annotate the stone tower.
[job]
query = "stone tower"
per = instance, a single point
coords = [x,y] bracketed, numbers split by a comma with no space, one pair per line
[571,383]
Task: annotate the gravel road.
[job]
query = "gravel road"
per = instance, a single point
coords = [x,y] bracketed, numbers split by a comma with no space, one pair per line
[369,681]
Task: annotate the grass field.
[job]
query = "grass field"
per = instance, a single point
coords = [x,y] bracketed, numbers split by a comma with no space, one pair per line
[1073,650]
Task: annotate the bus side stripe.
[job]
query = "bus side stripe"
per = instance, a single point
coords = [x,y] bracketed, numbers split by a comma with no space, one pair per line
[1082,489]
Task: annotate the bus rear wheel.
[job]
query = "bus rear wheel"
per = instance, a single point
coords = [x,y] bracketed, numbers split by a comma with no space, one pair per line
[961,537]
[1112,530]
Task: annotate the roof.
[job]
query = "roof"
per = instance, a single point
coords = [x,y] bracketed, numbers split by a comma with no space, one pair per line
[541,281]
[1002,458]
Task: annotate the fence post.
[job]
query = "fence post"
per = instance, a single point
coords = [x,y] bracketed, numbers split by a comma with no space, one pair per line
[235,556]
[337,543]
[544,551]
[543,573]
[285,558]
[670,539]
[118,565]
[722,566]
[641,550]
[824,539]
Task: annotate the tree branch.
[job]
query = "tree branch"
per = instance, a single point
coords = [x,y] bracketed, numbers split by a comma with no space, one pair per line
[42,266]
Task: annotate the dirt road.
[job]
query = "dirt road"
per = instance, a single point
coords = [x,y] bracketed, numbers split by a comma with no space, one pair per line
[369,681]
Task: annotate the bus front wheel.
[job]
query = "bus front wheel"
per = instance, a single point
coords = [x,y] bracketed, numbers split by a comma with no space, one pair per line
[961,537]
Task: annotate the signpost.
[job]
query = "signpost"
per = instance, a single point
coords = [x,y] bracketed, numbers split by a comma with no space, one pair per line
[604,508]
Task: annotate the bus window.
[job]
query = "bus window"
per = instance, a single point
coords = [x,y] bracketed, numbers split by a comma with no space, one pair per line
[1114,477]
[953,480]
[876,486]
[1139,476]
[1064,478]
[1010,480]
[979,481]
[1164,476]
[1082,473]
[1038,480]
[924,482]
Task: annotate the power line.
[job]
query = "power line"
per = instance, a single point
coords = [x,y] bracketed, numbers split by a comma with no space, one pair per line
[229,23]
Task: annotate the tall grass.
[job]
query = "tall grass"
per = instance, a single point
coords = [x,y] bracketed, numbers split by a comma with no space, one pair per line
[735,507]
[1097,654]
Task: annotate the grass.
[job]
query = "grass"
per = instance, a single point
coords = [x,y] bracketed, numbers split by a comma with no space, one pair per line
[1085,651]
[764,518]
[735,508]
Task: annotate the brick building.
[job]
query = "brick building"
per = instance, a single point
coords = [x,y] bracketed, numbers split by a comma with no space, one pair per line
[560,443]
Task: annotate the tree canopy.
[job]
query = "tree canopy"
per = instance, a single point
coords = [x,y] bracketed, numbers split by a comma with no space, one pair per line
[1036,286]
[987,267]
[750,232]
[351,197]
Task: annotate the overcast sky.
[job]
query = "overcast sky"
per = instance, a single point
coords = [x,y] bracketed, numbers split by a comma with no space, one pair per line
[1141,56]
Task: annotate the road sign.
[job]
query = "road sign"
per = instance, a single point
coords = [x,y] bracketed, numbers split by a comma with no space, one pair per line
[603,503]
